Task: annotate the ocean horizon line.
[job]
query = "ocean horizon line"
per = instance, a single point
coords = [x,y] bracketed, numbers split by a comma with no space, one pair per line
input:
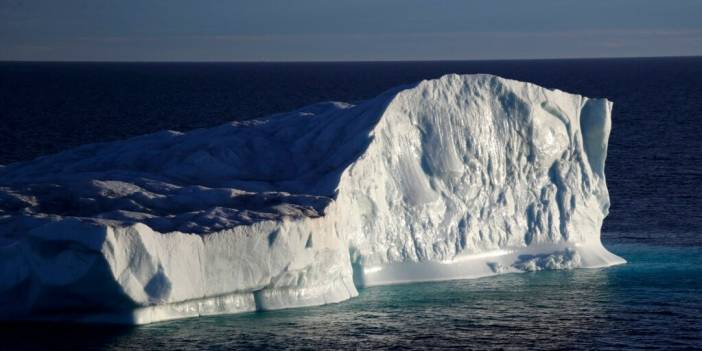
[2,61]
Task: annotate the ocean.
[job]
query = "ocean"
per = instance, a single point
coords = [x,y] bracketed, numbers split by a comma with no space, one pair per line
[654,170]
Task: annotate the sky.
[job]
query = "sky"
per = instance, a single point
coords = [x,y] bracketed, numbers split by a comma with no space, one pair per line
[360,30]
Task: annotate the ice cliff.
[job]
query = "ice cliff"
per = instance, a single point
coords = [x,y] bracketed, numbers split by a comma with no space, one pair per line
[458,177]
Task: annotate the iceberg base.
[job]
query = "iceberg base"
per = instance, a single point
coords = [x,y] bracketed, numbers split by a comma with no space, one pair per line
[545,257]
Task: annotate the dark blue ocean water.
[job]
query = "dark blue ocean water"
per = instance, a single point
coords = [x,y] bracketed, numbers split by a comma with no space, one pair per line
[654,172]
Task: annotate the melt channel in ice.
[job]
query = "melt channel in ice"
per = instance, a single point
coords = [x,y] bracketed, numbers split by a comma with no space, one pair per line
[458,177]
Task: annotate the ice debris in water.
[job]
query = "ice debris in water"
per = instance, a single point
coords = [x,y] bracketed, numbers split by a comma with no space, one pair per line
[558,260]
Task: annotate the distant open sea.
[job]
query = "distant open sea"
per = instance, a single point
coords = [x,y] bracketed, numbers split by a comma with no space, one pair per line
[654,175]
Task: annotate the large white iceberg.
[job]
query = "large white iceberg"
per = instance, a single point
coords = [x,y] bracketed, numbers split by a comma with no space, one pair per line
[458,177]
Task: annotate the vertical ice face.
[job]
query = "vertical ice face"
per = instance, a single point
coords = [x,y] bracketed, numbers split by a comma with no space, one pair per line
[595,124]
[463,166]
[458,177]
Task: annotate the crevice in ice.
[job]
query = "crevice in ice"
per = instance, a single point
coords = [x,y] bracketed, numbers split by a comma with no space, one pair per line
[272,237]
[158,286]
[595,125]
[357,269]
[561,191]
[258,299]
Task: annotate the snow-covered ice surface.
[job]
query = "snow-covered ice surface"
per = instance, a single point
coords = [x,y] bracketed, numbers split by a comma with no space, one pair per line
[458,177]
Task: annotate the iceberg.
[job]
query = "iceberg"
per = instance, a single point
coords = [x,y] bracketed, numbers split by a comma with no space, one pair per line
[459,177]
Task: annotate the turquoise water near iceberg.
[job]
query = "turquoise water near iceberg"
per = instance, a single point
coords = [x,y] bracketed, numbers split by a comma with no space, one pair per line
[654,301]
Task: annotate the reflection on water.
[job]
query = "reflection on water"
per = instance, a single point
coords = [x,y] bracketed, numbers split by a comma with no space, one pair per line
[655,300]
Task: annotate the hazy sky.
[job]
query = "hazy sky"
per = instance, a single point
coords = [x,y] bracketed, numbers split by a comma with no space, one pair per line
[313,30]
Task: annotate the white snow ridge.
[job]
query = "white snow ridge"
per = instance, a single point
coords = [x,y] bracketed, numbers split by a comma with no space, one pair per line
[458,177]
